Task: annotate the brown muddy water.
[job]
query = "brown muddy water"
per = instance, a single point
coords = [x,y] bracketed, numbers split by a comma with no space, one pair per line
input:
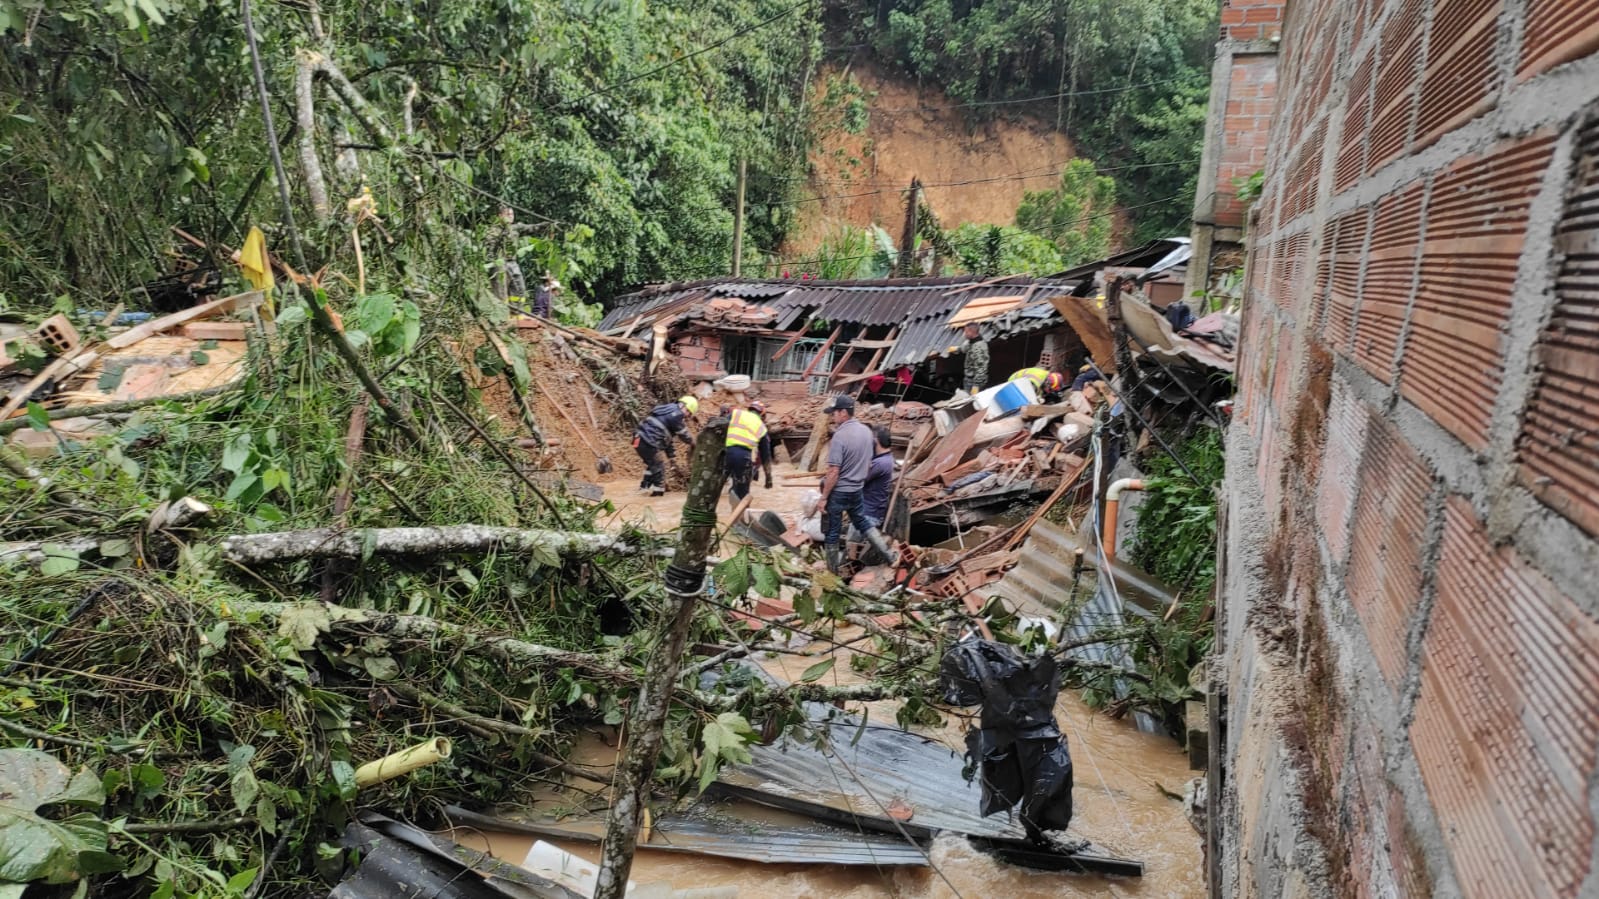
[1122,781]
[1120,776]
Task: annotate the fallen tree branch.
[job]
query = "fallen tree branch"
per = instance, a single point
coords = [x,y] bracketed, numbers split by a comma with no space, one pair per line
[495,725]
[215,826]
[330,543]
[7,427]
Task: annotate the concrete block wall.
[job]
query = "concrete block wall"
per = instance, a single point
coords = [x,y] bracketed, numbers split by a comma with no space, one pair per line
[1410,618]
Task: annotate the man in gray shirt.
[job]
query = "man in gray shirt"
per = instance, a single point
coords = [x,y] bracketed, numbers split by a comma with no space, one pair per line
[848,458]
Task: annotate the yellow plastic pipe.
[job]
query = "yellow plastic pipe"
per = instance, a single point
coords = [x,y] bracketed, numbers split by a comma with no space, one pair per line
[403,762]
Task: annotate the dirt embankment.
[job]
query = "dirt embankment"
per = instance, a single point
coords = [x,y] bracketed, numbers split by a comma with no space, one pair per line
[970,173]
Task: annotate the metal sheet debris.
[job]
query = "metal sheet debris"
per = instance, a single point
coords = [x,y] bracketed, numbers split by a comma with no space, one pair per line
[722,827]
[870,773]
[398,861]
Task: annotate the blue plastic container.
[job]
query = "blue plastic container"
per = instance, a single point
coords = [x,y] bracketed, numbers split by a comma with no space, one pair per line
[1009,399]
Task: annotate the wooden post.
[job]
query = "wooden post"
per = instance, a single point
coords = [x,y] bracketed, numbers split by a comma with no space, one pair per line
[738,223]
[646,720]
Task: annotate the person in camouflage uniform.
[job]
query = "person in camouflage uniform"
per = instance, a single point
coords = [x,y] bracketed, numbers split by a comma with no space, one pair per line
[975,375]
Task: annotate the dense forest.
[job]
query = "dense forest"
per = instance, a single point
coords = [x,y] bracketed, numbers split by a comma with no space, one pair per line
[611,128]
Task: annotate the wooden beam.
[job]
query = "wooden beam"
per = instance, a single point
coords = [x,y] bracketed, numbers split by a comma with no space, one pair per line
[877,357]
[821,352]
[782,350]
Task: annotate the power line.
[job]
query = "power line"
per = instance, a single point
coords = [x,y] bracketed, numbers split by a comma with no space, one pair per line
[1018,176]
[1055,96]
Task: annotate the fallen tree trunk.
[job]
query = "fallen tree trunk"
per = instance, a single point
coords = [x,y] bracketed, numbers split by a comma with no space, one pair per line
[331,543]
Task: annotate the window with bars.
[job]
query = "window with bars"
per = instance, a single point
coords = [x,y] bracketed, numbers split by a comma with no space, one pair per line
[794,362]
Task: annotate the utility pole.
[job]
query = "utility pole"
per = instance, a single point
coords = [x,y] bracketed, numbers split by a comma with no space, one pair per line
[907,237]
[738,224]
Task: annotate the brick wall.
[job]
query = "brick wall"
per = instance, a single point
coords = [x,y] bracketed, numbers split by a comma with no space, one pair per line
[1410,623]
[699,354]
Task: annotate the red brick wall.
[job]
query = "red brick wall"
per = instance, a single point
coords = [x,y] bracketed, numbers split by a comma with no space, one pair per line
[698,354]
[1418,421]
[1251,92]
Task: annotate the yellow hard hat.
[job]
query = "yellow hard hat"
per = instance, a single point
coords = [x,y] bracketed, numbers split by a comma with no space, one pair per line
[690,403]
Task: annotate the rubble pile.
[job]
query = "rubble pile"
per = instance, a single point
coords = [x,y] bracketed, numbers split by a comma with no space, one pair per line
[66,382]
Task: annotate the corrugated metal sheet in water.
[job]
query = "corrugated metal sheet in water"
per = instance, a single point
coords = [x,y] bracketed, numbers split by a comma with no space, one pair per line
[726,828]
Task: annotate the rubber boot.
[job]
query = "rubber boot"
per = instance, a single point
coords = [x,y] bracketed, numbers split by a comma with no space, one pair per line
[835,557]
[880,543]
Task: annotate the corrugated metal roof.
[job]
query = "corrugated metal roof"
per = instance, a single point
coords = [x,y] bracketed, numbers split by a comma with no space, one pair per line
[901,301]
[1140,257]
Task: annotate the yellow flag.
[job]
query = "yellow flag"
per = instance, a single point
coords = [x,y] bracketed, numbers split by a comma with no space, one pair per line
[253,259]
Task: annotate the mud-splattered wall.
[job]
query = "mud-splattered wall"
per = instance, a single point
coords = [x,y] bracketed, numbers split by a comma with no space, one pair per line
[1410,616]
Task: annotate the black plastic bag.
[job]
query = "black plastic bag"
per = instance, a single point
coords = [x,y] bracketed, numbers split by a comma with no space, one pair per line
[1018,750]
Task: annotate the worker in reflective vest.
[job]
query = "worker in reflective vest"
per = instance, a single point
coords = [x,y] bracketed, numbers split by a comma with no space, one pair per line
[1049,384]
[747,437]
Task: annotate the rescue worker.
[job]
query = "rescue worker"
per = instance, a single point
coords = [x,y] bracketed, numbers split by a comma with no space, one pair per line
[1048,384]
[654,436]
[849,458]
[747,438]
[974,373]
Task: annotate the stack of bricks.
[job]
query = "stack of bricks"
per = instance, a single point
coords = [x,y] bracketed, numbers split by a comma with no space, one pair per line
[1416,419]
[733,311]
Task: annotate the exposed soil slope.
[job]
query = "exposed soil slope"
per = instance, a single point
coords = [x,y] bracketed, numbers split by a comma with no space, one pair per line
[916,131]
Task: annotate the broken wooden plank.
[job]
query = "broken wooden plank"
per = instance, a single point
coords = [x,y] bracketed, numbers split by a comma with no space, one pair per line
[1091,327]
[950,451]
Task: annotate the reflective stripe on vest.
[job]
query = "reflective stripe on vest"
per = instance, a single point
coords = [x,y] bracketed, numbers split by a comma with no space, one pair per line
[1036,375]
[745,428]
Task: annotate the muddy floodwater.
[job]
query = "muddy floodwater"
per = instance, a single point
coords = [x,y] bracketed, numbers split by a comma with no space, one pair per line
[1124,784]
[1122,779]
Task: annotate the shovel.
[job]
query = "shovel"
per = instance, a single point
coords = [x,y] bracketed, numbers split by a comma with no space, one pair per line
[602,462]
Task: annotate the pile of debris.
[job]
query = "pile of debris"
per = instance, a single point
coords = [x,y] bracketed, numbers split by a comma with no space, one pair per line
[66,383]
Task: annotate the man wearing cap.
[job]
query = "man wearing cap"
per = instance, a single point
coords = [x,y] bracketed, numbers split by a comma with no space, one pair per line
[544,294]
[654,436]
[849,459]
[747,437]
[1049,384]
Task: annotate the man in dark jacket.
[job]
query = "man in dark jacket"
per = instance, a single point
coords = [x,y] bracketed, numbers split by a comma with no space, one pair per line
[654,436]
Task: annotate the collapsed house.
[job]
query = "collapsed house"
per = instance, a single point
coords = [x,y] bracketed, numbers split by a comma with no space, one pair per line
[795,338]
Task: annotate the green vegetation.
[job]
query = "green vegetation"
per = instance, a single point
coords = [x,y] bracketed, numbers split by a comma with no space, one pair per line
[121,118]
[1177,523]
[1076,217]
[1128,80]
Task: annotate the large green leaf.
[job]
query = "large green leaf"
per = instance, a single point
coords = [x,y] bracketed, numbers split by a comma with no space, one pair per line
[54,849]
